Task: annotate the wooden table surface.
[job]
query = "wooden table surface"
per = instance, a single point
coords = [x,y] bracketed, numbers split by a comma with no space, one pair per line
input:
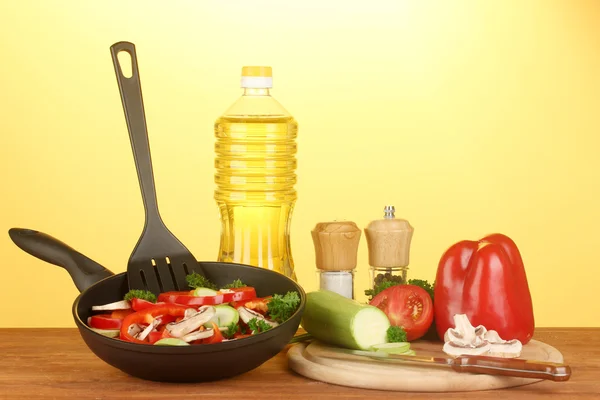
[55,363]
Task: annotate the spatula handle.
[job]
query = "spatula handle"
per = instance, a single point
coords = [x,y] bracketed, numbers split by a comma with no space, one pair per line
[133,105]
[512,367]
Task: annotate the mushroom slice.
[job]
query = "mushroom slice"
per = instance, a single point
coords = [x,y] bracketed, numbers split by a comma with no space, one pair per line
[456,350]
[190,337]
[134,329]
[117,305]
[464,333]
[246,315]
[144,334]
[503,348]
[191,322]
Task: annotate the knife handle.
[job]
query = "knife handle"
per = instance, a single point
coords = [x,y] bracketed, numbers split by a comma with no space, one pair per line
[512,367]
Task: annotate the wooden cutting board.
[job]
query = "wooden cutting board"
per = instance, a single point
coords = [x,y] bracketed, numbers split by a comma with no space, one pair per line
[305,360]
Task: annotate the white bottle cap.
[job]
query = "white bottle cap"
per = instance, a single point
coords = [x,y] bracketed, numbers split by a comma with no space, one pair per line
[257,77]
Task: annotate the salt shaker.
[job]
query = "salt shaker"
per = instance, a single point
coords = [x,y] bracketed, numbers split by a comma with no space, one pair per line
[388,241]
[336,248]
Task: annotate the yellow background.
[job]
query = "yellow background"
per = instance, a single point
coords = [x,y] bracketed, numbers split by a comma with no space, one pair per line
[470,117]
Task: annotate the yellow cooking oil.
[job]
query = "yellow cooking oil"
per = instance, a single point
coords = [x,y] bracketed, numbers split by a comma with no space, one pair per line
[255,176]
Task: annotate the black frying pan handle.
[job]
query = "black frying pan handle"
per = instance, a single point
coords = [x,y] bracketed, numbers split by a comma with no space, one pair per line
[133,106]
[83,271]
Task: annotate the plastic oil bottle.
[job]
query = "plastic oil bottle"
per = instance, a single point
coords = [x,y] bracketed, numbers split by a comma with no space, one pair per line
[255,176]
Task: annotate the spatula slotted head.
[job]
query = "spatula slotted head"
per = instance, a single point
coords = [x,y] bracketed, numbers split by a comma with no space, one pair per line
[160,263]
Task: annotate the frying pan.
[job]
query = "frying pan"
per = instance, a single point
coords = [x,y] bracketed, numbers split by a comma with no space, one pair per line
[195,363]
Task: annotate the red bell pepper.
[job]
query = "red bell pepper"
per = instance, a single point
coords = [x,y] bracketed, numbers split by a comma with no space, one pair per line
[121,314]
[185,298]
[141,304]
[104,321]
[256,304]
[146,316]
[217,336]
[485,280]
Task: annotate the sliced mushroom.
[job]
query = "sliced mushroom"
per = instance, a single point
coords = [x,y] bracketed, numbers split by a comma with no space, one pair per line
[456,350]
[117,305]
[134,329]
[503,348]
[144,334]
[246,315]
[191,321]
[464,333]
[190,337]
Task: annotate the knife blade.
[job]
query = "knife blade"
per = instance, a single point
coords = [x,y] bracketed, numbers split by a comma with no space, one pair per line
[515,367]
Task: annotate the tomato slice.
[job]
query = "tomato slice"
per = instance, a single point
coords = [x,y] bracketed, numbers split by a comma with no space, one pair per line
[408,306]
[104,321]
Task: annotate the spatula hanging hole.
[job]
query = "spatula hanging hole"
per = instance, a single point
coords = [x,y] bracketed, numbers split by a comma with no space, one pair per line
[168,260]
[153,262]
[185,268]
[125,63]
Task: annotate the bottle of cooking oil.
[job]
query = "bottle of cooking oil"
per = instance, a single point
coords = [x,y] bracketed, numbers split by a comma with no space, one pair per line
[255,176]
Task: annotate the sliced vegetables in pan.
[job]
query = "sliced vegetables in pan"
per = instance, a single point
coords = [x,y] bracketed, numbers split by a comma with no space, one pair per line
[203,315]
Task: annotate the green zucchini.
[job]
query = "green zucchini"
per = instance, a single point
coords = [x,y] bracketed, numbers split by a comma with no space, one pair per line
[171,342]
[112,333]
[202,291]
[225,315]
[335,319]
[392,348]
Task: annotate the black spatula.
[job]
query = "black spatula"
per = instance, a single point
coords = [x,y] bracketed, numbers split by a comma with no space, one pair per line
[159,262]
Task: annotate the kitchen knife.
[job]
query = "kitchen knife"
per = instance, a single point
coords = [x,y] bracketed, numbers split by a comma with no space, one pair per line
[475,364]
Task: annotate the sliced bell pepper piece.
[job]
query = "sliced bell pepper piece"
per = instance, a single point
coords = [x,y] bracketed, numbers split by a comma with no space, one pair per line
[146,316]
[104,321]
[217,336]
[121,314]
[185,298]
[485,280]
[141,304]
[257,304]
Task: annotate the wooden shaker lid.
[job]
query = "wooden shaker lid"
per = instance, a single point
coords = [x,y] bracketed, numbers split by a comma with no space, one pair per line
[336,245]
[388,241]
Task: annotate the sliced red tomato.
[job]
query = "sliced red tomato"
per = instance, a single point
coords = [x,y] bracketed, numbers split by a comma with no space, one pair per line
[408,306]
[141,304]
[104,321]
[121,314]
[217,336]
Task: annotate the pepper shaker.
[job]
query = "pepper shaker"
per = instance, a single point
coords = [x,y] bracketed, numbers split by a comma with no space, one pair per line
[336,248]
[388,241]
